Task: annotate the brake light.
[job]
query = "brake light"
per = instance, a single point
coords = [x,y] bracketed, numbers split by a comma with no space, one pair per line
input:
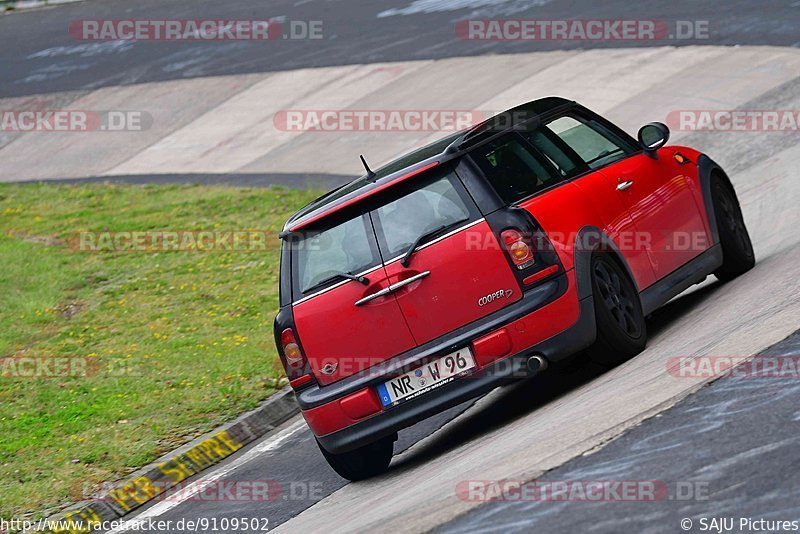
[291,350]
[522,255]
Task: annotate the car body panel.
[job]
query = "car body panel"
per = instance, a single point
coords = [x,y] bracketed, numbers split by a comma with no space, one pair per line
[348,338]
[591,203]
[531,329]
[663,208]
[600,194]
[472,260]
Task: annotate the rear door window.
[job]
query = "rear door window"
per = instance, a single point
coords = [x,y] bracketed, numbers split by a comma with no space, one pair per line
[513,169]
[436,207]
[345,248]
[561,157]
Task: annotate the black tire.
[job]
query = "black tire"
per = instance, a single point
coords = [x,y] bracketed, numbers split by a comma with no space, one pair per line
[364,462]
[737,249]
[621,328]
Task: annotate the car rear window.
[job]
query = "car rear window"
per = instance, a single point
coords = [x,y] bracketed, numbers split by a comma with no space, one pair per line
[346,248]
[428,208]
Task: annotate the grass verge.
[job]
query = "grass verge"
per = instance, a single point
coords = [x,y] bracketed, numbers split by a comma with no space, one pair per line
[161,346]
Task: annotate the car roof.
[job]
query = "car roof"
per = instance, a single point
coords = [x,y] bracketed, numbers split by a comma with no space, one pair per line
[418,161]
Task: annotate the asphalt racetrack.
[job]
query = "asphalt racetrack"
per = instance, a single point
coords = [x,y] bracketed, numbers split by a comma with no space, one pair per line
[212,111]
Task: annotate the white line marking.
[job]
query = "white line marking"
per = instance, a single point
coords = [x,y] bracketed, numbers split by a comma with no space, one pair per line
[198,485]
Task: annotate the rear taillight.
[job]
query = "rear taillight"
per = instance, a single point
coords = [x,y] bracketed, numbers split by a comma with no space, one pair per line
[291,350]
[520,252]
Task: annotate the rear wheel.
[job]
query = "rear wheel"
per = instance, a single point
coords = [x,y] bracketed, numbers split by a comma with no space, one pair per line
[621,328]
[737,250]
[364,462]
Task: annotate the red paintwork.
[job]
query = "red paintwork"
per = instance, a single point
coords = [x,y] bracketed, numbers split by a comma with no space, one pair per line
[589,201]
[300,381]
[491,346]
[542,324]
[521,334]
[658,224]
[302,223]
[663,208]
[343,412]
[335,331]
[464,267]
[360,405]
[691,171]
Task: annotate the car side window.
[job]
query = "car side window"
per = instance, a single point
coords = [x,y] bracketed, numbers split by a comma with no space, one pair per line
[594,145]
[560,156]
[513,169]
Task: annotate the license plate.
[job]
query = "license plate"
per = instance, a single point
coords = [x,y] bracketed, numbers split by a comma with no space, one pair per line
[425,378]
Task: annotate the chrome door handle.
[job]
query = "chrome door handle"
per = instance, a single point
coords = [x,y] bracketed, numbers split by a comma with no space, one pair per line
[409,280]
[622,186]
[377,294]
[393,287]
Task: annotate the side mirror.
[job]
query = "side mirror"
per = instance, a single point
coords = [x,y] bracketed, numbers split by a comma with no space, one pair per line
[652,137]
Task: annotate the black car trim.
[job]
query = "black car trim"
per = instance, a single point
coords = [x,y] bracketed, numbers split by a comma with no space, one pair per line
[681,279]
[706,167]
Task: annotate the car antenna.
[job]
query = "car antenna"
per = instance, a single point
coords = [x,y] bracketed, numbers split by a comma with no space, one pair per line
[370,173]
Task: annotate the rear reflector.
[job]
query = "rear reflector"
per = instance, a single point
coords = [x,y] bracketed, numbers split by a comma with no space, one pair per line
[544,273]
[492,346]
[360,405]
[297,382]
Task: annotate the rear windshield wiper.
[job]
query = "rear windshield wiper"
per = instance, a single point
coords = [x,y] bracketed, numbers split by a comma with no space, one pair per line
[407,256]
[339,274]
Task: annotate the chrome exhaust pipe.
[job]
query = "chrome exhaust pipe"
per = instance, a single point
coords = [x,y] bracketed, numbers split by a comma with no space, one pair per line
[537,363]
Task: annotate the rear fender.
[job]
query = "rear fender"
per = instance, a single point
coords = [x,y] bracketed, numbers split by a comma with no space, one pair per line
[589,240]
[706,169]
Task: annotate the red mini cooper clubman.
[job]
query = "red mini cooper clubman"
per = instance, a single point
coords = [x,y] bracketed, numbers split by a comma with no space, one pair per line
[480,258]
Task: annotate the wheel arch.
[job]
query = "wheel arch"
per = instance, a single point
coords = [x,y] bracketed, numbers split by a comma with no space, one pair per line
[591,239]
[707,169]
